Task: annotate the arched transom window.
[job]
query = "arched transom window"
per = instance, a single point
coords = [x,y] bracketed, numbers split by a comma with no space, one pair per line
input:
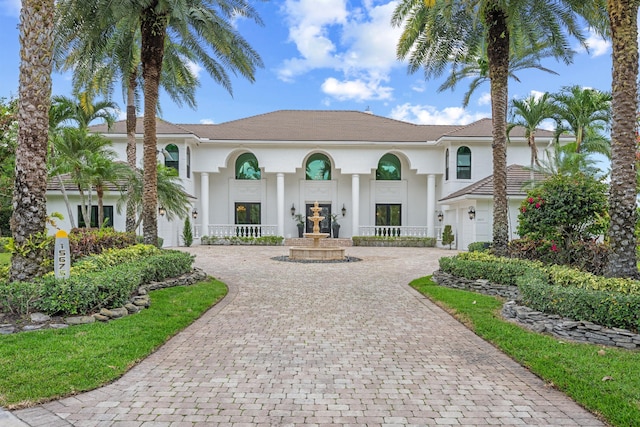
[389,168]
[318,168]
[172,157]
[247,167]
[463,163]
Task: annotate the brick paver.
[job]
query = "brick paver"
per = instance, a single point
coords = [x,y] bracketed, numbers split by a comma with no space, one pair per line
[320,344]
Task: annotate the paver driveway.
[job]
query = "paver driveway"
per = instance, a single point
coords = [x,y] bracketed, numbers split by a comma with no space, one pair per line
[320,344]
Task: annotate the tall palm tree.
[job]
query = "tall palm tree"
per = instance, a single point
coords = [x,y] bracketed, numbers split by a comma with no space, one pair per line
[103,169]
[623,18]
[585,113]
[30,185]
[436,31]
[204,28]
[530,113]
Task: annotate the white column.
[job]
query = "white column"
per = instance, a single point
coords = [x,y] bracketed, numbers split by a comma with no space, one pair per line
[431,204]
[280,202]
[204,200]
[355,204]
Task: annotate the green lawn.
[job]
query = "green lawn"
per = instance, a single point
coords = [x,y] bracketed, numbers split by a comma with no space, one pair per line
[5,258]
[44,365]
[576,369]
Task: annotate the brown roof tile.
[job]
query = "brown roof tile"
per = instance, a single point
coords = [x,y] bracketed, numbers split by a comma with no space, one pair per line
[517,176]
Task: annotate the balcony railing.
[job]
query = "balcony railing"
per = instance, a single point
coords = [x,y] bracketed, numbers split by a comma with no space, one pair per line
[237,230]
[393,231]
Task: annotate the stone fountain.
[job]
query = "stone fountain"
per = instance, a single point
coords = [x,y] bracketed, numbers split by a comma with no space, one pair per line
[316,252]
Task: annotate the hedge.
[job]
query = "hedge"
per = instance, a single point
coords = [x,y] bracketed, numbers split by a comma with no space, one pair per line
[480,265]
[242,240]
[394,241]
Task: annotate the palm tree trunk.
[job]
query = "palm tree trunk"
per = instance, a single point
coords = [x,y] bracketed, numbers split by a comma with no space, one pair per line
[131,150]
[153,31]
[623,16]
[30,185]
[498,53]
[100,194]
[72,221]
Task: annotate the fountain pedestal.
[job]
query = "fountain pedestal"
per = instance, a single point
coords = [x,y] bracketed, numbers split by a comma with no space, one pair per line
[315,252]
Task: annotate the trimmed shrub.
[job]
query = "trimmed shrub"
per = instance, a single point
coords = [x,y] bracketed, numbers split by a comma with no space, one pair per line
[568,277]
[160,240]
[391,241]
[4,241]
[113,257]
[479,247]
[480,265]
[187,232]
[19,297]
[447,236]
[88,241]
[241,240]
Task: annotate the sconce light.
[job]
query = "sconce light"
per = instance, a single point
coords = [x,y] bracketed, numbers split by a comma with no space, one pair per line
[344,210]
[194,213]
[440,216]
[162,211]
[293,209]
[472,212]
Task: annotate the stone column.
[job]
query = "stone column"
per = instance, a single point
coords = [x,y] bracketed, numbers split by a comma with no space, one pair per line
[280,202]
[431,204]
[355,204]
[204,200]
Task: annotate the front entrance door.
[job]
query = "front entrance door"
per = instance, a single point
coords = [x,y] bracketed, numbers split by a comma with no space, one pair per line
[325,224]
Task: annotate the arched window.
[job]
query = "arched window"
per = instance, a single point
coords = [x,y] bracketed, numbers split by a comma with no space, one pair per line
[446,165]
[247,167]
[188,162]
[463,163]
[318,168]
[172,157]
[389,168]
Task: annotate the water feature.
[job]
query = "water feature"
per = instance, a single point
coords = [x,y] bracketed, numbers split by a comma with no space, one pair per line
[316,252]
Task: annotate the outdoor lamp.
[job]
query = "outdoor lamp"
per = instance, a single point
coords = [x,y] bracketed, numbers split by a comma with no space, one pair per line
[472,212]
[440,216]
[162,211]
[293,209]
[344,210]
[194,214]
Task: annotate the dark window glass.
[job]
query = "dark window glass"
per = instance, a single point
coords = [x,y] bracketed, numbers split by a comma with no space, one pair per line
[172,157]
[108,216]
[318,168]
[188,162]
[247,213]
[247,167]
[446,165]
[388,168]
[463,163]
[389,214]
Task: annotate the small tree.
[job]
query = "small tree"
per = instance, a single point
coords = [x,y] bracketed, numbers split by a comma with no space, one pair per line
[447,236]
[187,232]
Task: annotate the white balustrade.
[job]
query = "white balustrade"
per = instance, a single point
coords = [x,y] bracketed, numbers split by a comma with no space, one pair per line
[393,231]
[241,230]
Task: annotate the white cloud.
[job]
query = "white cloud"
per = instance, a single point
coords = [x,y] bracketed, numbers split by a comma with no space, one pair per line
[359,43]
[485,99]
[597,45]
[207,122]
[194,67]
[10,7]
[358,89]
[536,94]
[430,115]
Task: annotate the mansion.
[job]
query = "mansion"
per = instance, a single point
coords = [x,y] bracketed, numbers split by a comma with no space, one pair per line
[371,174]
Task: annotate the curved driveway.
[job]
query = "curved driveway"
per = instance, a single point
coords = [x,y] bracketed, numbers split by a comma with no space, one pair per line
[320,344]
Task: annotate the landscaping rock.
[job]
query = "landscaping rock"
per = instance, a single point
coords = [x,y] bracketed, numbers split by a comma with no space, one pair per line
[142,301]
[7,329]
[101,317]
[79,320]
[39,317]
[58,325]
[132,308]
[33,327]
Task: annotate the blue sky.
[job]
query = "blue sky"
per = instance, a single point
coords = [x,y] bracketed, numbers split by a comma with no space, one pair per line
[331,54]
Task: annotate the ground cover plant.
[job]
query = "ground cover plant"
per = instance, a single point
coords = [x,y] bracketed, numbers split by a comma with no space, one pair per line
[44,365]
[603,380]
[5,258]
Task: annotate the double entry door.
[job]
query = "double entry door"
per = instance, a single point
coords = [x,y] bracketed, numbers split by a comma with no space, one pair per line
[325,224]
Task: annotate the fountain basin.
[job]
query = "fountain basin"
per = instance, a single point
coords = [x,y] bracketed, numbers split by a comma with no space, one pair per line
[316,253]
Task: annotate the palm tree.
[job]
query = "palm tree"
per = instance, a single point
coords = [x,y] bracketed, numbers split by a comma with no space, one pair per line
[586,114]
[565,160]
[30,185]
[171,194]
[102,170]
[436,31]
[623,18]
[197,25]
[475,65]
[530,113]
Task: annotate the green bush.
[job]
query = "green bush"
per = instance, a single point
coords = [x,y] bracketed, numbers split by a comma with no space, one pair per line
[394,241]
[480,265]
[447,236]
[19,297]
[479,246]
[160,240]
[241,240]
[169,263]
[88,241]
[187,232]
[113,257]
[4,241]
[569,277]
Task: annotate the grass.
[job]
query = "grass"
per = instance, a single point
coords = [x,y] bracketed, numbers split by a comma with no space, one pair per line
[576,369]
[45,365]
[5,258]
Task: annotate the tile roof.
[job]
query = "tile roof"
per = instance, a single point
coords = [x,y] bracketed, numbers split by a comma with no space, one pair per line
[484,128]
[120,127]
[53,184]
[517,176]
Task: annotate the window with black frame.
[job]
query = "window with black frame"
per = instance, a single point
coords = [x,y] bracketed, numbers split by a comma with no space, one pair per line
[463,163]
[388,219]
[172,157]
[248,219]
[107,211]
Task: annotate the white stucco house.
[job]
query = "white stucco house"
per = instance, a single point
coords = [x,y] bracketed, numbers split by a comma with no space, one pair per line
[378,175]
